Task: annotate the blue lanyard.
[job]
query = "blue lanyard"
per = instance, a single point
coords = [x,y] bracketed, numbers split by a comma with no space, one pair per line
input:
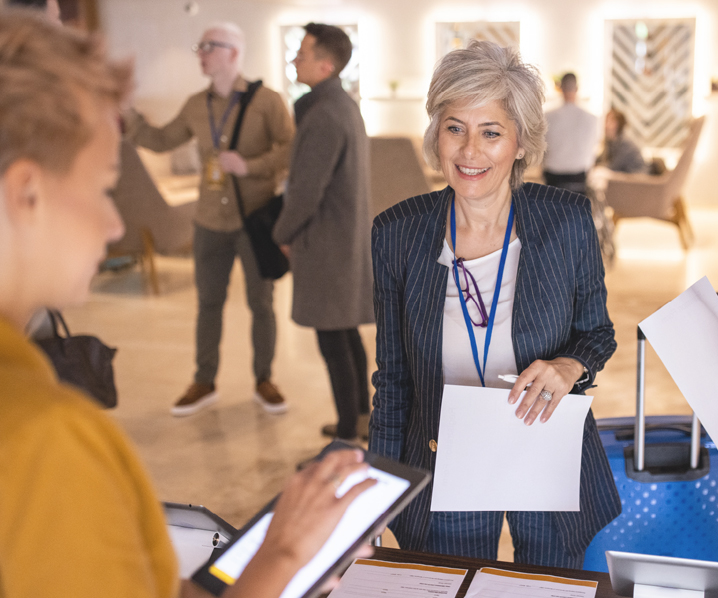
[217,131]
[497,291]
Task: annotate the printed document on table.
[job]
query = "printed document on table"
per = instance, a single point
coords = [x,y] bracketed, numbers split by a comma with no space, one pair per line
[684,334]
[367,579]
[496,583]
[489,460]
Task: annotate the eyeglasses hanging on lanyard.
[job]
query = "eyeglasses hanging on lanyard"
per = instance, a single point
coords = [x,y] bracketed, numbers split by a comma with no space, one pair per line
[487,323]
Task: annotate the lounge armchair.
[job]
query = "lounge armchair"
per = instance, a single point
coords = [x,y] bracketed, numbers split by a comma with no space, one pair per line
[650,196]
[152,225]
[396,172]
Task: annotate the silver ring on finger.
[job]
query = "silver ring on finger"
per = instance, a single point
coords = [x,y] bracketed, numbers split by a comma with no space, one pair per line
[546,395]
[336,481]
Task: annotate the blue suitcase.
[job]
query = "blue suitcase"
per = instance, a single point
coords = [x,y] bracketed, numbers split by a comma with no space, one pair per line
[668,483]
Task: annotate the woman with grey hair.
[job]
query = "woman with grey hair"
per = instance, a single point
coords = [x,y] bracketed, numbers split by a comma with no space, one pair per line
[489,276]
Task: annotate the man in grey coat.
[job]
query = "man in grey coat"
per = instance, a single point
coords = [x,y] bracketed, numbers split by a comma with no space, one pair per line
[325,224]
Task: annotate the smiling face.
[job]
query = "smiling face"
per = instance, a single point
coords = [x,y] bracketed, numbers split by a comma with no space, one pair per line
[477,149]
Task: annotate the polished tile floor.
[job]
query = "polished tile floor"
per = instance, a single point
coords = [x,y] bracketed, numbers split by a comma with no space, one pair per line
[233,457]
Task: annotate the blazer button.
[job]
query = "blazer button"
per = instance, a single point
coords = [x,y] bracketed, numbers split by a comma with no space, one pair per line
[224,201]
[432,445]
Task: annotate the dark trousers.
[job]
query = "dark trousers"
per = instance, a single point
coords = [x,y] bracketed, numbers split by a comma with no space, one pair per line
[344,355]
[575,182]
[476,534]
[214,255]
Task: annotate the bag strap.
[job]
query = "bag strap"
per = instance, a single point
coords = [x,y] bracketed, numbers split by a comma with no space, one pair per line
[57,321]
[243,103]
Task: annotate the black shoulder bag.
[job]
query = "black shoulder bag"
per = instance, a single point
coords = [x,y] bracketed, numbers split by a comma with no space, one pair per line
[273,264]
[83,361]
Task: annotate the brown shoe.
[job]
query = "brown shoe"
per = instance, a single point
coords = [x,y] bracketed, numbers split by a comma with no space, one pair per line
[197,397]
[268,396]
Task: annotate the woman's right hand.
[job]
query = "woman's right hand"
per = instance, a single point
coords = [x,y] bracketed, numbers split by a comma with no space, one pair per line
[308,509]
[305,516]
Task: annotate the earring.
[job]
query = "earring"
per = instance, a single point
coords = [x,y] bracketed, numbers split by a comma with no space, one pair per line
[520,156]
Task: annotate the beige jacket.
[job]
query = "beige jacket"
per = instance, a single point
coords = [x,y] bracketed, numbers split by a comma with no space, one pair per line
[264,142]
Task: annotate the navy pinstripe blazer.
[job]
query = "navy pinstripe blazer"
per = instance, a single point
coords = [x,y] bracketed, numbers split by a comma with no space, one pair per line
[559,310]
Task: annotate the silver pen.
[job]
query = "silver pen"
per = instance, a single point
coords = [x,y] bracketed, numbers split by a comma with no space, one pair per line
[511,379]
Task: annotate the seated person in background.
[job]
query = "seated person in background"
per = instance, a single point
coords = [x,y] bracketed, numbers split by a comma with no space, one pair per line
[78,515]
[620,153]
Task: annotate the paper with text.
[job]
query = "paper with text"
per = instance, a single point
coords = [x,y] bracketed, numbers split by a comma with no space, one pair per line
[368,579]
[684,334]
[496,583]
[489,460]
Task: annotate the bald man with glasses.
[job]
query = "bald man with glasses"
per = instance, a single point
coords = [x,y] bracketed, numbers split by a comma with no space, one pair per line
[259,161]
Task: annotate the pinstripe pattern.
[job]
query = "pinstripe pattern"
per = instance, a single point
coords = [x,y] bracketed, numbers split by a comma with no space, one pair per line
[476,534]
[559,310]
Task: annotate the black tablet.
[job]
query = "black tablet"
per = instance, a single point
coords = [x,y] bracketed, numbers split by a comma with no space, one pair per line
[197,517]
[370,511]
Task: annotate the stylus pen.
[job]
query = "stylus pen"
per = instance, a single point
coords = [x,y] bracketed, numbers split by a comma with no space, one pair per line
[511,379]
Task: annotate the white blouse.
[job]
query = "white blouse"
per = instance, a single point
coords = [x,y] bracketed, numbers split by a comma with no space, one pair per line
[458,360]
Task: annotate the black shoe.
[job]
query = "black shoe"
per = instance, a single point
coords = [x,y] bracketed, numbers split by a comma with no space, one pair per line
[330,430]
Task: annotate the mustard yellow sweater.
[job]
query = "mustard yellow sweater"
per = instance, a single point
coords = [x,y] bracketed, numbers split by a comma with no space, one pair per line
[78,515]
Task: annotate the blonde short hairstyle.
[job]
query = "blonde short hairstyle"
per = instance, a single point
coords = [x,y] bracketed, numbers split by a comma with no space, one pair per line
[47,75]
[236,35]
[482,73]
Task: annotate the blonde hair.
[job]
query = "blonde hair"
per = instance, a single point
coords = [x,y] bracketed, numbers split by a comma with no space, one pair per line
[47,75]
[235,33]
[482,73]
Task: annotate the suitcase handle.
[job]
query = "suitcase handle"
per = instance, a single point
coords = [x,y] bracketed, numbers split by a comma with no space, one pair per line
[629,433]
[639,454]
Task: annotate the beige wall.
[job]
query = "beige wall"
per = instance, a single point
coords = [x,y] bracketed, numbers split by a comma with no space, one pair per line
[398,43]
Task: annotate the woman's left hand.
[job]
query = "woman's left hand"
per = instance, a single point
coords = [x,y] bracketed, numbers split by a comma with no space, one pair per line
[556,376]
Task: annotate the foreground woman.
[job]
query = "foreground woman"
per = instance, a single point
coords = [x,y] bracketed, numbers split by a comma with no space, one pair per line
[532,302]
[78,515]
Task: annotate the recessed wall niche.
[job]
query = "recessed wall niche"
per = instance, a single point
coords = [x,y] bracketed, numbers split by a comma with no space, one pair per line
[452,36]
[651,78]
[292,36]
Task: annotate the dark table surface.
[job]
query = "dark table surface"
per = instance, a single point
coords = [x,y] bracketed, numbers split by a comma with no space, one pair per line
[604,589]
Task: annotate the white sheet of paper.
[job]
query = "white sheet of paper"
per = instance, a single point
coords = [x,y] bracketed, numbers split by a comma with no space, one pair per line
[489,460]
[684,334]
[496,583]
[368,579]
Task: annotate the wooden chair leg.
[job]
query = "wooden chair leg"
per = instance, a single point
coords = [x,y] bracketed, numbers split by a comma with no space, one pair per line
[148,256]
[680,219]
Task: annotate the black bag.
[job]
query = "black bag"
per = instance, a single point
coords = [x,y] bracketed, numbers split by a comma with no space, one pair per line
[273,264]
[83,361]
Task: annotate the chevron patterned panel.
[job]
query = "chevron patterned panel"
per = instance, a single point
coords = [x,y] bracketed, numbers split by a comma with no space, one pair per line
[651,78]
[451,36]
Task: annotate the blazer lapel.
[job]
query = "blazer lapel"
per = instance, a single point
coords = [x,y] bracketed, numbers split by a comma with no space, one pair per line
[434,298]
